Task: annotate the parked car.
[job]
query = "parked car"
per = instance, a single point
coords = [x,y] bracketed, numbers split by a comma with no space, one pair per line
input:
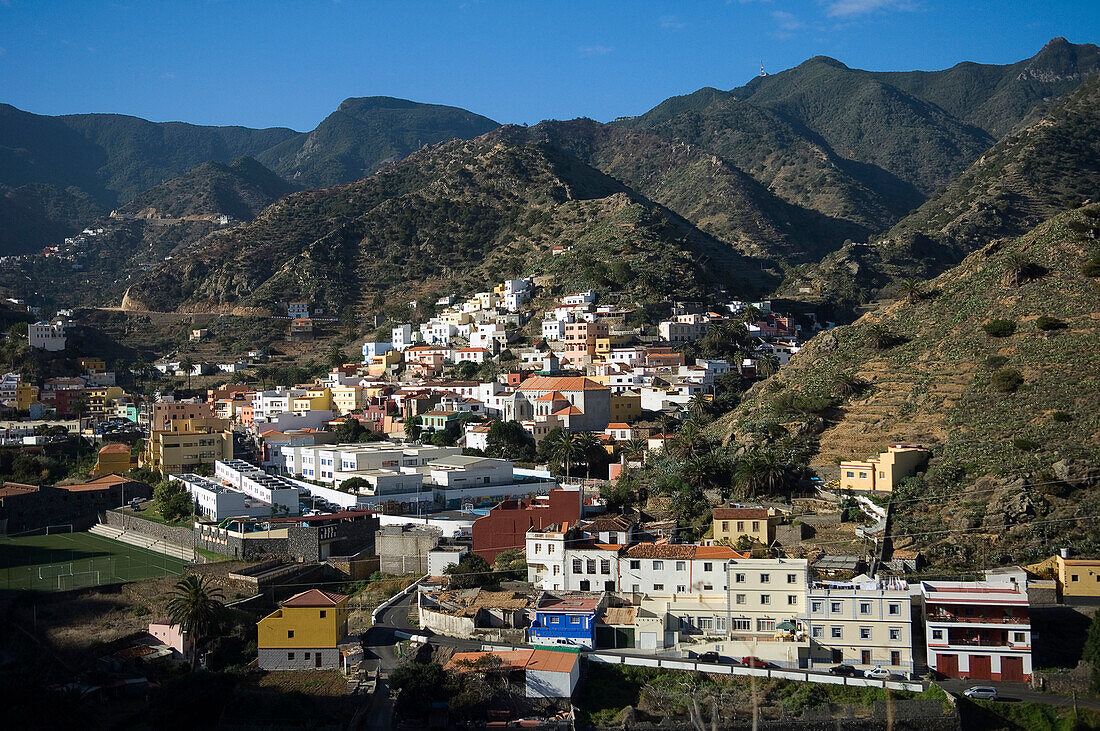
[877,673]
[981,693]
[843,670]
[751,661]
[709,657]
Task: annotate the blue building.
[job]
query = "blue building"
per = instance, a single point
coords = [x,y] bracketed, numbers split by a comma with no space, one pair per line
[566,619]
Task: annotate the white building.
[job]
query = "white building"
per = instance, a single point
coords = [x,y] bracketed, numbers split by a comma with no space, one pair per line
[402,337]
[218,502]
[863,623]
[49,336]
[553,330]
[444,556]
[249,479]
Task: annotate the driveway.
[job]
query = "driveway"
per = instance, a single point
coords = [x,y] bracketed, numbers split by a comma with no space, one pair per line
[1017,692]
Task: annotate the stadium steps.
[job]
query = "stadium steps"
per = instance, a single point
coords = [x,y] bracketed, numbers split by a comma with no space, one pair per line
[184,553]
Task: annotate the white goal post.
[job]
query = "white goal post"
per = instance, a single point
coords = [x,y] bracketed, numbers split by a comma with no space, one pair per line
[61,528]
[74,583]
[61,572]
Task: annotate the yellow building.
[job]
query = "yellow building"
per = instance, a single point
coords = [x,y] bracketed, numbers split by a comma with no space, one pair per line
[100,401]
[756,523]
[455,317]
[626,406]
[112,459]
[378,366]
[1078,577]
[346,399]
[25,395]
[190,442]
[315,399]
[93,364]
[884,472]
[604,345]
[304,632]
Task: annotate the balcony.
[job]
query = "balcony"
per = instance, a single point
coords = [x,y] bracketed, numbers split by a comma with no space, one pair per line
[963,619]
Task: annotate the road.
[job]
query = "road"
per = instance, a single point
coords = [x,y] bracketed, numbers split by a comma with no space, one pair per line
[1017,692]
[396,619]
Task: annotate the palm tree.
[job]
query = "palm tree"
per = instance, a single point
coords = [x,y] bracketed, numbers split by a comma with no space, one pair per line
[879,337]
[910,290]
[588,445]
[635,449]
[699,406]
[767,365]
[846,385]
[187,365]
[691,442]
[565,449]
[196,607]
[761,471]
[1019,269]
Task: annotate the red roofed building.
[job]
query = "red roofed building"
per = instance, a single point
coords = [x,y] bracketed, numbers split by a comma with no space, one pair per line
[506,525]
[304,633]
[575,403]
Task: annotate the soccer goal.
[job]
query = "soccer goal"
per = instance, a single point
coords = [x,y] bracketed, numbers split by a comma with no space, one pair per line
[49,571]
[78,580]
[65,528]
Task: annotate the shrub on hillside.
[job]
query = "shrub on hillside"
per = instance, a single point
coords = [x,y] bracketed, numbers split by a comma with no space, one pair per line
[1050,323]
[994,362]
[1025,445]
[1062,417]
[999,328]
[1091,268]
[1007,380]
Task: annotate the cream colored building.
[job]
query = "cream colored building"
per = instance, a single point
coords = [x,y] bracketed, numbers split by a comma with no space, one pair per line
[346,399]
[884,472]
[756,523]
[1078,577]
[190,443]
[863,623]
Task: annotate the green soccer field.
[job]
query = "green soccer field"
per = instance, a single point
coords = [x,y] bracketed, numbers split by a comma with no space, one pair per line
[63,561]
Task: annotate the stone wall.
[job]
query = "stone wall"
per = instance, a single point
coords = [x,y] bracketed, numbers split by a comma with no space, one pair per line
[279,659]
[180,535]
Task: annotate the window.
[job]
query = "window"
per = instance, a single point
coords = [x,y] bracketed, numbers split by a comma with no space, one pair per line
[837,633]
[765,578]
[720,623]
[851,474]
[681,565]
[817,632]
[895,633]
[636,588]
[635,564]
[835,606]
[937,634]
[307,656]
[792,578]
[705,623]
[658,587]
[725,526]
[550,548]
[1074,577]
[792,599]
[681,589]
[864,633]
[815,607]
[742,624]
[740,526]
[895,657]
[755,526]
[290,656]
[658,565]
[708,587]
[894,609]
[574,620]
[739,578]
[290,634]
[862,475]
[577,566]
[741,598]
[538,548]
[865,607]
[1019,637]
[590,566]
[557,569]
[707,566]
[881,473]
[765,598]
[605,566]
[324,613]
[552,620]
[765,625]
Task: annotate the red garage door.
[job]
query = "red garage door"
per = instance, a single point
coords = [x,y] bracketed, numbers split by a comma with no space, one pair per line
[980,667]
[948,665]
[1012,669]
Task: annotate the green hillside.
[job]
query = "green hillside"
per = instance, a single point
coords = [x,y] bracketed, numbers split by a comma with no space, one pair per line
[1007,407]
[365,133]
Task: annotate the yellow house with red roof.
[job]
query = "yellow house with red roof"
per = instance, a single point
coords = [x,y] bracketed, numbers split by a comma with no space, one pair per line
[304,633]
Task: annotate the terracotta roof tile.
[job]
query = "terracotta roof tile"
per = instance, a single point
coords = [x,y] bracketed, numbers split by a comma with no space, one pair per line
[739,513]
[315,598]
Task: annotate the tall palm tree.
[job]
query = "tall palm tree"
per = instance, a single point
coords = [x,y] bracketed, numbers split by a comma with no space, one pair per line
[196,607]
[635,449]
[910,290]
[767,365]
[690,442]
[565,449]
[588,445]
[699,406]
[761,471]
[187,365]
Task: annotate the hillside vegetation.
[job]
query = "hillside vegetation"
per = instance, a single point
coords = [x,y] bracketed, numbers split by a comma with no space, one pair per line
[454,215]
[994,366]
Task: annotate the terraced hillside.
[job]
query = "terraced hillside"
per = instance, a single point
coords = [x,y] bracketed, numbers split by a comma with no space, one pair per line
[994,366]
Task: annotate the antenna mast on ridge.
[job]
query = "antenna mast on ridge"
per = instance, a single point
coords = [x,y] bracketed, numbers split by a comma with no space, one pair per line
[762,71]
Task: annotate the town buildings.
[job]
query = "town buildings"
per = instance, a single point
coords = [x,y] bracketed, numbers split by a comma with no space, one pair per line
[864,623]
[885,472]
[304,633]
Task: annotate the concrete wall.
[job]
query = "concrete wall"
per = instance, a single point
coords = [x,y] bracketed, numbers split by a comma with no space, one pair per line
[172,534]
[278,659]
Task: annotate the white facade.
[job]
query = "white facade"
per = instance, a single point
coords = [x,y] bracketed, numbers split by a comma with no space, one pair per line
[863,623]
[401,337]
[48,336]
[218,502]
[443,556]
[553,330]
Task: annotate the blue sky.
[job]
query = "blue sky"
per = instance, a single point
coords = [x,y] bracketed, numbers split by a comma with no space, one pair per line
[285,63]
